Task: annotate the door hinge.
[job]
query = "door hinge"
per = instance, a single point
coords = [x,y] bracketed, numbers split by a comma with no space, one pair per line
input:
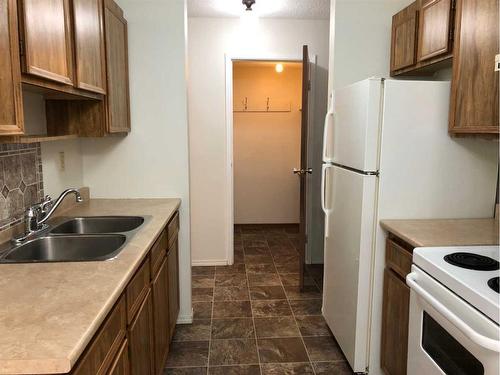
[306,238]
[21,47]
[453,4]
[309,85]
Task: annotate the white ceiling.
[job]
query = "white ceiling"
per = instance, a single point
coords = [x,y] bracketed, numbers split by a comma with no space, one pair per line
[297,9]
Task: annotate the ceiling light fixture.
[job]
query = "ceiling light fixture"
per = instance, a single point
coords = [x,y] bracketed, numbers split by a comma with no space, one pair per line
[279,68]
[248,4]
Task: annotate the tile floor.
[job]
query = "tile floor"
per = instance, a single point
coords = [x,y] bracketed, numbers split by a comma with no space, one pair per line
[251,318]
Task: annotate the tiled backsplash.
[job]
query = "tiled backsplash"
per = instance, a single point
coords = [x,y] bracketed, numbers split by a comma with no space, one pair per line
[21,181]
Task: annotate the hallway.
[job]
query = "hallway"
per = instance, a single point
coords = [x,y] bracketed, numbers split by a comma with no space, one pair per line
[251,318]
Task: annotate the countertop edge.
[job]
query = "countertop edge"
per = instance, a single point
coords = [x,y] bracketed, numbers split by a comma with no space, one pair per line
[483,235]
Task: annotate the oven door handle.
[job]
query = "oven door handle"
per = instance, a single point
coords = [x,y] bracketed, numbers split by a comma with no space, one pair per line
[485,342]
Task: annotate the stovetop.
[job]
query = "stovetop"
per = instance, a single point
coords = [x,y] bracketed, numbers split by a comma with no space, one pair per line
[471,272]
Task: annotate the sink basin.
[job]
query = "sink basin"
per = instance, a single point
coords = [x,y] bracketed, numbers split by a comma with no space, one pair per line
[99,224]
[78,248]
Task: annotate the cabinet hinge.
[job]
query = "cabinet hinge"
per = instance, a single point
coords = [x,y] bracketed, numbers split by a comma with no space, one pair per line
[21,47]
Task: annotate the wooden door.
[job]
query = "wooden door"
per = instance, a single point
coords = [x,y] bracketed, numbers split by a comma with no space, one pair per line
[435,19]
[121,365]
[404,38]
[11,105]
[173,285]
[118,103]
[161,317]
[474,86]
[48,51]
[89,45]
[304,166]
[395,320]
[141,339]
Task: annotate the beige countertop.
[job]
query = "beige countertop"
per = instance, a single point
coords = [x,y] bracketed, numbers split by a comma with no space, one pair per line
[50,311]
[448,232]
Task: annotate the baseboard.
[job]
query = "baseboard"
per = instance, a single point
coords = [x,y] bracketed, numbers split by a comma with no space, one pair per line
[221,262]
[185,319]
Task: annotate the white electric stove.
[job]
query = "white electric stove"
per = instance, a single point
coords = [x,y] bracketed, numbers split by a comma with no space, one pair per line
[454,311]
[471,284]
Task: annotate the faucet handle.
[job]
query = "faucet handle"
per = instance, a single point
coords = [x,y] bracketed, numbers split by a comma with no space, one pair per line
[46,204]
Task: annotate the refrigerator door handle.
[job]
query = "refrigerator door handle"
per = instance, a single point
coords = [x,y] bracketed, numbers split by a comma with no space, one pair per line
[327,126]
[325,209]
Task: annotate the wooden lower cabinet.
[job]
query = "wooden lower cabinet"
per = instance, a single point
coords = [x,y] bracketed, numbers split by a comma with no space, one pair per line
[159,288]
[173,284]
[395,324]
[140,335]
[135,336]
[121,365]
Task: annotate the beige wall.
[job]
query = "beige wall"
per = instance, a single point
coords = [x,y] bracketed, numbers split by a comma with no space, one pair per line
[361,32]
[152,161]
[266,145]
[209,40]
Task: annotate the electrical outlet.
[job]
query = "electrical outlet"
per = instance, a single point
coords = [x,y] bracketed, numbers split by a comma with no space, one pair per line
[497,63]
[62,162]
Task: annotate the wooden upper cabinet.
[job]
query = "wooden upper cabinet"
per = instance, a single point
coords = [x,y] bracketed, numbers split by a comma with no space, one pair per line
[435,24]
[89,45]
[404,38]
[474,86]
[47,39]
[118,106]
[11,110]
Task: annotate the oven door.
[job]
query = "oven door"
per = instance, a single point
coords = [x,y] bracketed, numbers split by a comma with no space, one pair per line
[446,334]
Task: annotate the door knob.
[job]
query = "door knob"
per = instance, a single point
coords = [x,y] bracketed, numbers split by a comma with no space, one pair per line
[302,172]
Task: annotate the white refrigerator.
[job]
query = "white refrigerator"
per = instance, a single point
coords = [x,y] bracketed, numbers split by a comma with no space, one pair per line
[387,155]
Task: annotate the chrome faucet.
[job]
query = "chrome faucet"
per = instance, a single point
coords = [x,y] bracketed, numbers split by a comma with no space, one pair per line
[37,215]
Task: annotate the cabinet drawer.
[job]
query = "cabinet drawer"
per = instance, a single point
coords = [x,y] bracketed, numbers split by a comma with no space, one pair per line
[106,343]
[137,289]
[173,228]
[158,252]
[398,258]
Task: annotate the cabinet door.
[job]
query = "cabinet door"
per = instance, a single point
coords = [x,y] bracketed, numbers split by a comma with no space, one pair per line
[173,284]
[89,45]
[161,317]
[121,365]
[404,38]
[434,28]
[395,322]
[118,103]
[47,39]
[141,339]
[11,111]
[474,85]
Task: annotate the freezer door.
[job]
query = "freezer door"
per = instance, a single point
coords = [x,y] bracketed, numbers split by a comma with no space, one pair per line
[348,259]
[354,136]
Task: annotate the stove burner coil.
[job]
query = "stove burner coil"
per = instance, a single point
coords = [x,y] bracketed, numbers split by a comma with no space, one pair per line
[472,261]
[493,284]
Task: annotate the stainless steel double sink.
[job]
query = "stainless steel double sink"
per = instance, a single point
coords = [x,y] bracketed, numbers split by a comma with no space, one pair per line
[77,239]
